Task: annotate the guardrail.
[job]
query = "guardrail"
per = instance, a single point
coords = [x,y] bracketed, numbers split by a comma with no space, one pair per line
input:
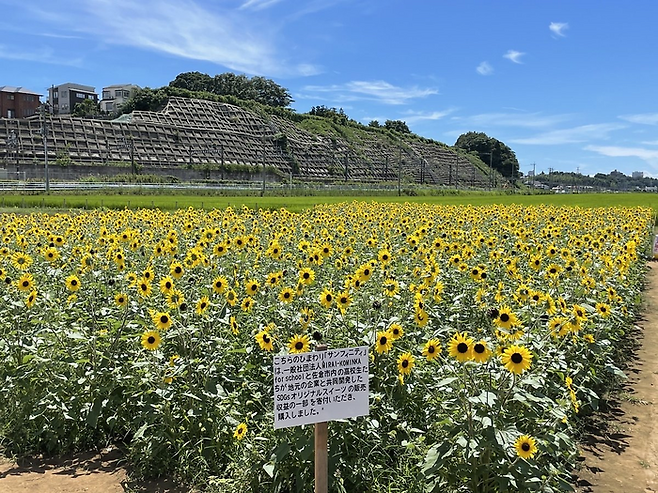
[35,186]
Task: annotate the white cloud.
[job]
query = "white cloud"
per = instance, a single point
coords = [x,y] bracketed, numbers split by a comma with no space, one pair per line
[642,118]
[558,28]
[521,119]
[239,39]
[648,155]
[258,4]
[418,116]
[484,69]
[377,90]
[573,135]
[514,56]
[650,142]
[43,55]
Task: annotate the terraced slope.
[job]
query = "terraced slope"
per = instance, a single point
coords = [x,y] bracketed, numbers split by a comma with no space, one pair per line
[189,132]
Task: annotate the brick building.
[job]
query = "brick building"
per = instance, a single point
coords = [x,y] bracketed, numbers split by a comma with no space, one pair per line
[18,102]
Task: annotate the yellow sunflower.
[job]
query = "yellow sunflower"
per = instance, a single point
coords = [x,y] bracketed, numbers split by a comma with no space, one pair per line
[516,359]
[264,340]
[384,342]
[151,340]
[240,431]
[460,347]
[396,331]
[72,283]
[432,349]
[286,295]
[405,363]
[299,344]
[481,351]
[162,320]
[525,446]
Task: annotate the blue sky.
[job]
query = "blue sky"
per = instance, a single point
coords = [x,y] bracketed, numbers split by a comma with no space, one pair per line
[567,84]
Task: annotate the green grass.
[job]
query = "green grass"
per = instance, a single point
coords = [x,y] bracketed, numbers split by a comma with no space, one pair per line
[295,204]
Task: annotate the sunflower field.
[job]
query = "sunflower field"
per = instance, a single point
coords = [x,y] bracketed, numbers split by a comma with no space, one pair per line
[492,330]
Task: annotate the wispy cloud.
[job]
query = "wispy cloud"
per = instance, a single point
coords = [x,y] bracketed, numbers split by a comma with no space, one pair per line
[642,118]
[419,116]
[258,4]
[649,142]
[573,135]
[558,28]
[377,90]
[238,39]
[648,155]
[514,56]
[484,69]
[43,55]
[520,119]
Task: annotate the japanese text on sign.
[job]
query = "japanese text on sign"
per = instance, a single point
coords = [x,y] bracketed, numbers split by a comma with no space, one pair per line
[320,386]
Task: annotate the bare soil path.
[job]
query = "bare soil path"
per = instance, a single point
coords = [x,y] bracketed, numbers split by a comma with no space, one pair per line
[621,451]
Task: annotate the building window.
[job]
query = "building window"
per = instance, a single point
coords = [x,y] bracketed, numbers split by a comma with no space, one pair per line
[107,94]
[10,97]
[55,94]
[65,94]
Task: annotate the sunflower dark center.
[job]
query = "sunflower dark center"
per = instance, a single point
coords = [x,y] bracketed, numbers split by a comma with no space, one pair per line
[164,319]
[74,282]
[525,447]
[479,348]
[504,317]
[254,287]
[462,347]
[405,363]
[26,283]
[431,349]
[517,358]
[328,297]
[151,340]
[299,345]
[383,340]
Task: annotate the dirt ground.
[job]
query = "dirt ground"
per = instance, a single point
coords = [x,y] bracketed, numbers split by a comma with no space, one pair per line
[83,473]
[620,453]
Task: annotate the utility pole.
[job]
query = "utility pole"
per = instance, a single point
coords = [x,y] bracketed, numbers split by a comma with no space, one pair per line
[44,136]
[534,174]
[12,143]
[262,190]
[400,173]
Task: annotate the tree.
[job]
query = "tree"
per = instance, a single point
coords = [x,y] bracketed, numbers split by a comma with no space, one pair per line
[146,99]
[374,124]
[502,158]
[260,89]
[87,108]
[397,126]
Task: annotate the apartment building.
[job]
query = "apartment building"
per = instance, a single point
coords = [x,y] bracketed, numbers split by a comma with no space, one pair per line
[114,97]
[64,97]
[18,102]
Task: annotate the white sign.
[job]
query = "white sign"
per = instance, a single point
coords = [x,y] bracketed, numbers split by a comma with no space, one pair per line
[320,386]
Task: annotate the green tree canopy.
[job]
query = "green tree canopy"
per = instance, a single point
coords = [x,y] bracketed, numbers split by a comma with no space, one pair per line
[397,125]
[502,158]
[260,89]
[87,108]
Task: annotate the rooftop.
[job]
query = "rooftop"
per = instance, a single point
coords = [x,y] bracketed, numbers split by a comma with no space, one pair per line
[20,90]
